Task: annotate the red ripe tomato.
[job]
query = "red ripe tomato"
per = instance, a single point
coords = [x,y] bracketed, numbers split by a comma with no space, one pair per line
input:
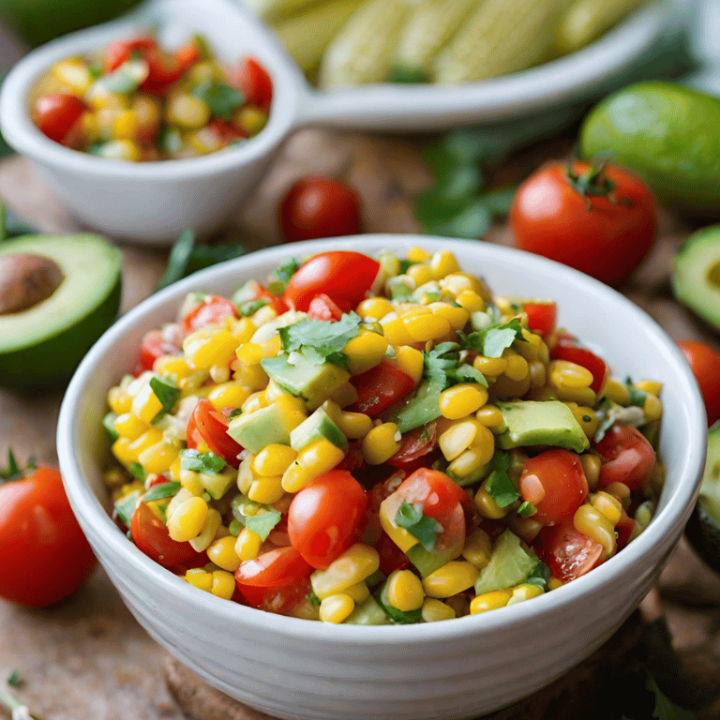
[705,363]
[554,482]
[566,551]
[226,131]
[380,387]
[44,556]
[601,222]
[56,114]
[325,515]
[323,308]
[415,446]
[208,425]
[213,309]
[151,536]
[120,51]
[566,349]
[319,207]
[254,81]
[163,69]
[542,316]
[627,457]
[188,54]
[391,556]
[279,600]
[623,530]
[153,346]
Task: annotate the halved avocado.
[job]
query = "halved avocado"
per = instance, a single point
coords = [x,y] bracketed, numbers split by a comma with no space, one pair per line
[703,528]
[696,274]
[58,294]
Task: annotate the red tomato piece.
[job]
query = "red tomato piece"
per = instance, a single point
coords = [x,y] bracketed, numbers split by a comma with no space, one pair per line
[188,54]
[57,114]
[319,207]
[566,349]
[208,425]
[380,387]
[415,445]
[391,556]
[151,537]
[278,304]
[623,530]
[213,309]
[705,363]
[554,482]
[120,51]
[323,308]
[324,517]
[627,457]
[273,569]
[566,551]
[542,316]
[153,346]
[226,131]
[255,82]
[343,275]
[279,600]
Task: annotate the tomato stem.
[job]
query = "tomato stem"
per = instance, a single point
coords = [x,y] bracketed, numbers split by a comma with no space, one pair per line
[14,471]
[19,711]
[592,183]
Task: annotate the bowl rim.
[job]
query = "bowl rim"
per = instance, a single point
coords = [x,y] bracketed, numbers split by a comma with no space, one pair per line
[22,134]
[666,524]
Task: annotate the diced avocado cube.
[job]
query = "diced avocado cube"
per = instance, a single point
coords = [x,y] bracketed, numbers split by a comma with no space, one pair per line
[218,485]
[428,562]
[511,563]
[549,422]
[263,427]
[422,409]
[302,378]
[316,427]
[368,613]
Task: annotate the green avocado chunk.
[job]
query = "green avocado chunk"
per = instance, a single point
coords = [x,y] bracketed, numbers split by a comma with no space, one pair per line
[422,409]
[268,425]
[316,427]
[368,613]
[696,274]
[42,343]
[511,563]
[710,488]
[548,422]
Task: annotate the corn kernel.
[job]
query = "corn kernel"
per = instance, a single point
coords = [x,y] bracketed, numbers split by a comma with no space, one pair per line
[187,111]
[526,591]
[458,283]
[619,490]
[451,579]
[478,548]
[319,457]
[595,525]
[490,416]
[354,426]
[130,427]
[517,367]
[250,353]
[490,601]
[434,610]
[554,583]
[380,444]
[650,386]
[457,438]
[209,346]
[443,263]
[145,405]
[295,478]
[614,390]
[568,375]
[470,301]
[152,436]
[396,332]
[266,490]
[180,497]
[420,274]
[336,608]
[365,351]
[359,592]
[418,255]
[74,74]
[405,591]
[247,545]
[223,584]
[119,400]
[490,367]
[652,407]
[199,578]
[228,395]
[187,521]
[251,119]
[272,347]
[191,482]
[586,418]
[538,374]
[356,564]
[486,505]
[478,454]
[172,365]
[254,402]
[462,400]
[125,125]
[375,308]
[122,450]
[456,316]
[591,467]
[157,458]
[608,505]
[207,534]
[410,361]
[423,328]
[222,553]
[274,459]
[120,150]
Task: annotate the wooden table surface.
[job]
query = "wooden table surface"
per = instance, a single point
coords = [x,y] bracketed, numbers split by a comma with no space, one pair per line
[87,658]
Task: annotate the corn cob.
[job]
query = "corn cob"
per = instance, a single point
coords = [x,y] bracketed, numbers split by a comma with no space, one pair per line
[363,50]
[585,20]
[275,10]
[429,28]
[500,37]
[307,34]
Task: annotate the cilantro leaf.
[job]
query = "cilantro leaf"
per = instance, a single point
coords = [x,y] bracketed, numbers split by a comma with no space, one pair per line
[14,679]
[280,278]
[527,509]
[166,391]
[252,306]
[313,599]
[204,256]
[220,98]
[491,341]
[125,507]
[263,522]
[540,575]
[162,491]
[499,485]
[178,259]
[208,463]
[320,341]
[442,367]
[425,529]
[637,396]
[137,471]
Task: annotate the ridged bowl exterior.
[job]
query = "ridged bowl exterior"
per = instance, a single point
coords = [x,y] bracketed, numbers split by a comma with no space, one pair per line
[297,669]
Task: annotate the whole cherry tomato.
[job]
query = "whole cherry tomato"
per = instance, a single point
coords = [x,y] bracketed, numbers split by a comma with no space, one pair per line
[325,516]
[343,275]
[254,81]
[44,556]
[627,457]
[566,551]
[319,207]
[56,115]
[212,309]
[554,482]
[599,221]
[208,425]
[705,363]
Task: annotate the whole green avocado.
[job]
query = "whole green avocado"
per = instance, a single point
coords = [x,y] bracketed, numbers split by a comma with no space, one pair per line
[667,134]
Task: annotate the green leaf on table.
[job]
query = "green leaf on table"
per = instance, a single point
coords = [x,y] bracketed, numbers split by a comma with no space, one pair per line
[12,225]
[471,224]
[425,529]
[205,256]
[178,259]
[222,99]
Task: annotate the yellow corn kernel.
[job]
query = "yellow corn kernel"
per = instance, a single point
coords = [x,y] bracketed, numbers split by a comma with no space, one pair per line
[247,545]
[614,390]
[490,601]
[120,150]
[423,328]
[526,591]
[354,426]
[470,301]
[650,386]
[410,361]
[119,400]
[199,578]
[478,548]
[172,365]
[223,584]
[187,111]
[375,308]
[73,73]
[209,529]
[405,591]
[191,482]
[586,418]
[608,505]
[273,459]
[336,608]
[420,274]
[644,514]
[228,395]
[490,367]
[462,400]
[254,402]
[458,283]
[122,450]
[243,329]
[319,457]
[554,583]
[478,454]
[365,351]
[381,443]
[486,505]
[187,521]
[295,478]
[356,564]
[595,525]
[567,375]
[250,353]
[145,405]
[130,427]
[209,346]
[389,266]
[359,593]
[272,347]
[147,110]
[222,553]
[266,490]
[396,332]
[451,579]
[456,316]
[125,125]
[181,496]
[619,490]
[490,416]
[457,438]
[434,610]
[443,263]
[158,458]
[152,436]
[411,309]
[517,367]
[251,119]
[418,255]
[274,392]
[652,407]
[538,374]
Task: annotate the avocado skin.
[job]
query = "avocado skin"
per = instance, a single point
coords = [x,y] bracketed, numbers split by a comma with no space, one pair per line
[27,368]
[668,134]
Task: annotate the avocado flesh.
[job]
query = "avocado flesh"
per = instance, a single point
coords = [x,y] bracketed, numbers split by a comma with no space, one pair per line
[318,426]
[266,426]
[511,563]
[696,274]
[42,345]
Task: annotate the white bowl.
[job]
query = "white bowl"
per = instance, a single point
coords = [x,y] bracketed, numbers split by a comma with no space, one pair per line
[291,668]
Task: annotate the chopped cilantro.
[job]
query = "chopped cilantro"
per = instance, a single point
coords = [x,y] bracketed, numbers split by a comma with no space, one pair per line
[220,98]
[165,390]
[499,485]
[137,471]
[320,341]
[252,306]
[442,367]
[637,396]
[234,413]
[491,341]
[162,491]
[280,278]
[208,463]
[313,599]
[125,507]
[425,529]
[540,576]
[527,509]
[405,265]
[14,679]
[263,522]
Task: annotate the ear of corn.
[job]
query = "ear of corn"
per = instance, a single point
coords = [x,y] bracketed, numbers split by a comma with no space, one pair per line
[274,10]
[362,52]
[500,37]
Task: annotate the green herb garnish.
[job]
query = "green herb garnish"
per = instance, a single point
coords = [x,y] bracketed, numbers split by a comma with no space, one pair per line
[526,509]
[125,507]
[207,463]
[425,529]
[166,391]
[493,340]
[162,491]
[137,471]
[320,341]
[220,98]
[442,367]
[499,485]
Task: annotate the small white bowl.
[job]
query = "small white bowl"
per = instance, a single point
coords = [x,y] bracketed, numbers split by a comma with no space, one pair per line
[291,668]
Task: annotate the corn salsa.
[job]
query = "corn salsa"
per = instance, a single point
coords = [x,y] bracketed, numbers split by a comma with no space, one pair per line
[378,440]
[137,101]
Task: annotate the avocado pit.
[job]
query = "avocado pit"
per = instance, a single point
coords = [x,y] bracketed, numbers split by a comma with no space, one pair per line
[26,280]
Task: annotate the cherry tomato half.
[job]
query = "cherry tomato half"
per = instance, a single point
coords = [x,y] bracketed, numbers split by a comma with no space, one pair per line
[254,81]
[541,316]
[566,551]
[627,457]
[604,230]
[273,569]
[323,308]
[566,349]
[213,309]
[325,516]
[705,363]
[280,599]
[554,482]
[153,346]
[44,556]
[319,207]
[56,115]
[379,388]
[208,425]
[414,446]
